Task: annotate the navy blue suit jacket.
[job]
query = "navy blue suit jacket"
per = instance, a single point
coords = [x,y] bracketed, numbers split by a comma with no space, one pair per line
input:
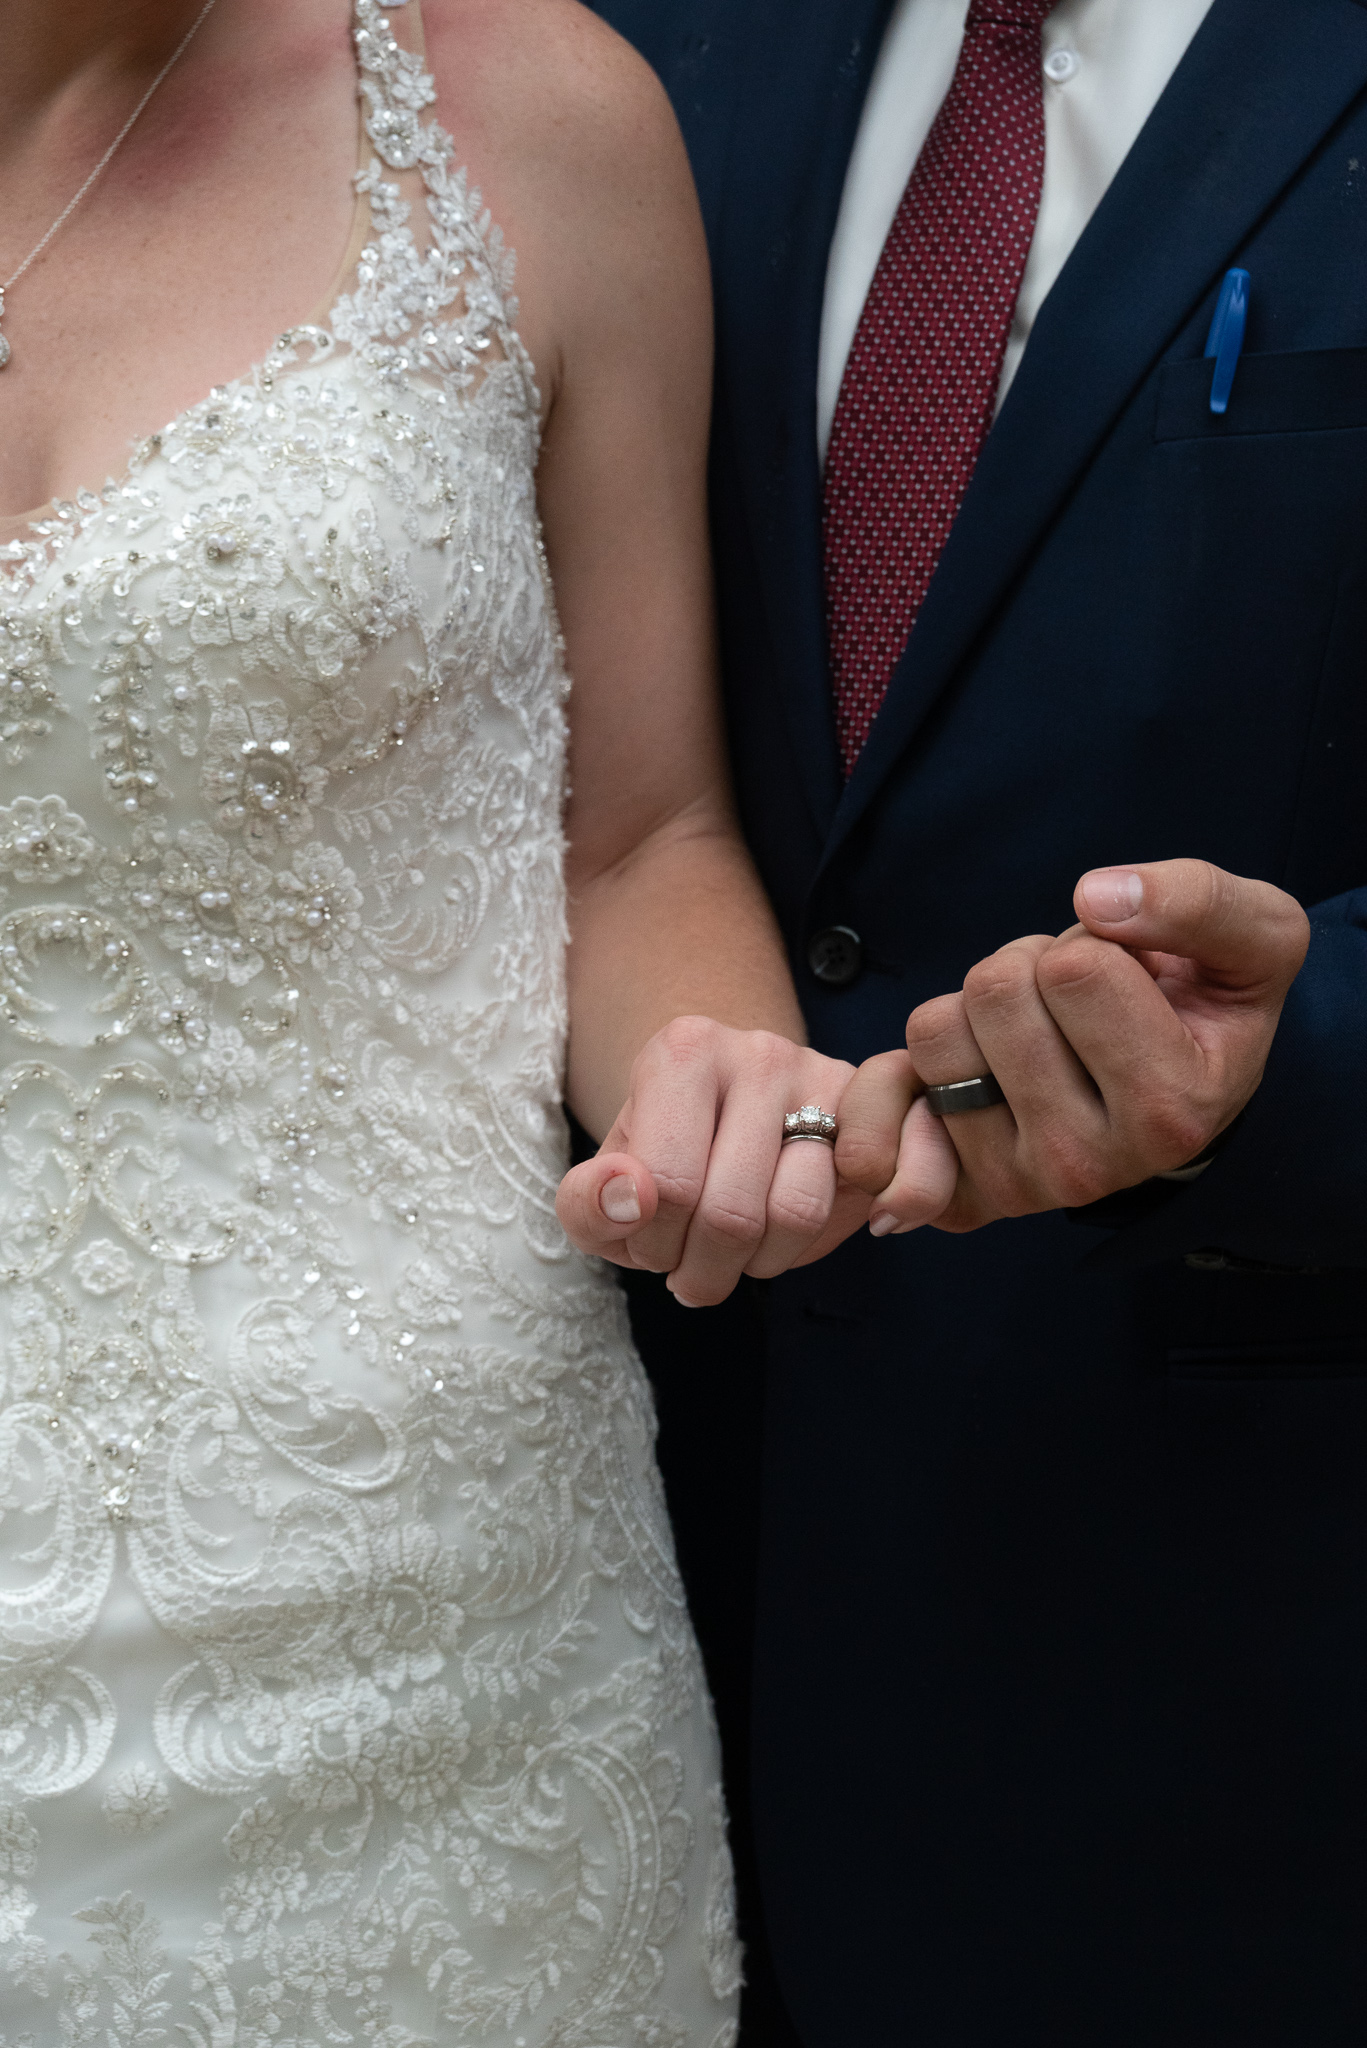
[1061,1711]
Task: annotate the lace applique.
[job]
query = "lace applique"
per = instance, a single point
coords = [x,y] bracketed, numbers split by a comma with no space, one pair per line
[322,1458]
[136,1801]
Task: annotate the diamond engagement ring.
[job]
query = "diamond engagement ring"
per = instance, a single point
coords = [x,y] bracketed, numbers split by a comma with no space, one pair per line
[809,1122]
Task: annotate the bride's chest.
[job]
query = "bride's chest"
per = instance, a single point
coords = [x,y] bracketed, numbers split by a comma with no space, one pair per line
[297,571]
[276,691]
[221,219]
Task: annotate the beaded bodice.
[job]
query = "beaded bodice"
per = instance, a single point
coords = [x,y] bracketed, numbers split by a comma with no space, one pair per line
[326,1498]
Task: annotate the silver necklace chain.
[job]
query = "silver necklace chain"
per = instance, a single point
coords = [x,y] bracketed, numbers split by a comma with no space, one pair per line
[64,216]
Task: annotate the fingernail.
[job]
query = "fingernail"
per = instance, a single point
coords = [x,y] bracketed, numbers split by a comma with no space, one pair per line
[682,1299]
[619,1200]
[1113,894]
[879,1226]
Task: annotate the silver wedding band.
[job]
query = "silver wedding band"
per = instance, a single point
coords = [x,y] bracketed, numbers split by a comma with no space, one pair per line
[953,1098]
[815,1124]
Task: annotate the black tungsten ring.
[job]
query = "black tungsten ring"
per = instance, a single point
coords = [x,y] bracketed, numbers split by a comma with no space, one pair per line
[952,1098]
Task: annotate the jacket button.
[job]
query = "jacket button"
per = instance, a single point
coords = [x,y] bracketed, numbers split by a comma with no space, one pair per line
[836,956]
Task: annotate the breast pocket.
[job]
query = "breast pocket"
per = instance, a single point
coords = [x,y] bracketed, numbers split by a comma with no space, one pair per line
[1307,391]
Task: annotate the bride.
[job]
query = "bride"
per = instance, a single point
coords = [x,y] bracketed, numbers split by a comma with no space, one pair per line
[346,1687]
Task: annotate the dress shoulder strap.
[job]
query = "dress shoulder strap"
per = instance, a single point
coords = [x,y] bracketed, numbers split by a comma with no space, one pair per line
[461,242]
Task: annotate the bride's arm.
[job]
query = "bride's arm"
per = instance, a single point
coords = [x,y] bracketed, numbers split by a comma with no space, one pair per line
[668,919]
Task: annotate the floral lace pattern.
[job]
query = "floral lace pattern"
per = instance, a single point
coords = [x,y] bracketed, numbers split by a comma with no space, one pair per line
[346,1687]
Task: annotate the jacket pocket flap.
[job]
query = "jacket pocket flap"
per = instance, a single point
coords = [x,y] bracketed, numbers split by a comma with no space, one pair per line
[1306,391]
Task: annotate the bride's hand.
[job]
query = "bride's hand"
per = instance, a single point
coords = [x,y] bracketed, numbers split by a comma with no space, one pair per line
[694,1179]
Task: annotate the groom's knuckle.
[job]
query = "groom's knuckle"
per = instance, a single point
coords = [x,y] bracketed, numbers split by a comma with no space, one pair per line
[1073,1170]
[930,1022]
[1002,978]
[1281,933]
[1174,1127]
[1207,902]
[1075,964]
[1293,934]
[1214,893]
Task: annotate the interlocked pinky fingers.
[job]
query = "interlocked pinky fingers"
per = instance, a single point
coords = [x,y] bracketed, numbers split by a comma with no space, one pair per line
[873,1109]
[926,1178]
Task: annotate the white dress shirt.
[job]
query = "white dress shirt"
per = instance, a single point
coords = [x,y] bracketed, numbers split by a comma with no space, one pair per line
[1106,63]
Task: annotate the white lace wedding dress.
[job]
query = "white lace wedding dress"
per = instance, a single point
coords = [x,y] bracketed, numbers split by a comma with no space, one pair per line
[346,1687]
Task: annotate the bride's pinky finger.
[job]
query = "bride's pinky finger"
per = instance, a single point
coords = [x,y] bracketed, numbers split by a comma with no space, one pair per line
[873,1109]
[927,1175]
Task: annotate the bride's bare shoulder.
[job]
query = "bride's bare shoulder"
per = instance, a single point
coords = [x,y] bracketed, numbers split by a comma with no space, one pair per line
[574,146]
[551,79]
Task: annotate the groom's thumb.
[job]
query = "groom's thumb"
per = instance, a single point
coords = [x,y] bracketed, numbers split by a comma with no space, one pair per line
[1245,935]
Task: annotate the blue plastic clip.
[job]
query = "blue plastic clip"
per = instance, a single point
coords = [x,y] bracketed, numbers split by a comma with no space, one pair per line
[1226,336]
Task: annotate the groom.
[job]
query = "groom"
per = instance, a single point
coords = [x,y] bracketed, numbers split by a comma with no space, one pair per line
[1059,1728]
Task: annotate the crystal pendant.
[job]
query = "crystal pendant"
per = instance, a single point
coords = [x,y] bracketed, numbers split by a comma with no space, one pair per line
[4,351]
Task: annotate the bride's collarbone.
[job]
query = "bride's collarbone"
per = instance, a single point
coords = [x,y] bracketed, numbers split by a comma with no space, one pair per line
[209,234]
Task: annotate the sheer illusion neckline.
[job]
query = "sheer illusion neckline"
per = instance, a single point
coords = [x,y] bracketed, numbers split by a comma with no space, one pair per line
[377,126]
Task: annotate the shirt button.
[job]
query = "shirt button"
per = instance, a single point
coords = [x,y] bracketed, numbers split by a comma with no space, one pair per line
[836,956]
[1061,65]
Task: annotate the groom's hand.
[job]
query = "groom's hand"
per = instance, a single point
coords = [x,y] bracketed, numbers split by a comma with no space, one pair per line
[694,1179]
[1123,1048]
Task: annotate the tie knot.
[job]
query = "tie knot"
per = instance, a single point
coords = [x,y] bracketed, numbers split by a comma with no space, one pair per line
[1009,13]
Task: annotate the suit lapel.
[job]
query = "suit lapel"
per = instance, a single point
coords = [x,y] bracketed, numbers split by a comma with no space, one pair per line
[1257,90]
[806,73]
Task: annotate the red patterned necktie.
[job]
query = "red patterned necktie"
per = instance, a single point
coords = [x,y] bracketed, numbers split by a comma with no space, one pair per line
[917,395]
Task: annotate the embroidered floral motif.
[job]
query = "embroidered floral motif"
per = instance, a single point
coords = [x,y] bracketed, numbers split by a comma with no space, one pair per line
[321,1456]
[103,1267]
[136,1801]
[318,908]
[42,841]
